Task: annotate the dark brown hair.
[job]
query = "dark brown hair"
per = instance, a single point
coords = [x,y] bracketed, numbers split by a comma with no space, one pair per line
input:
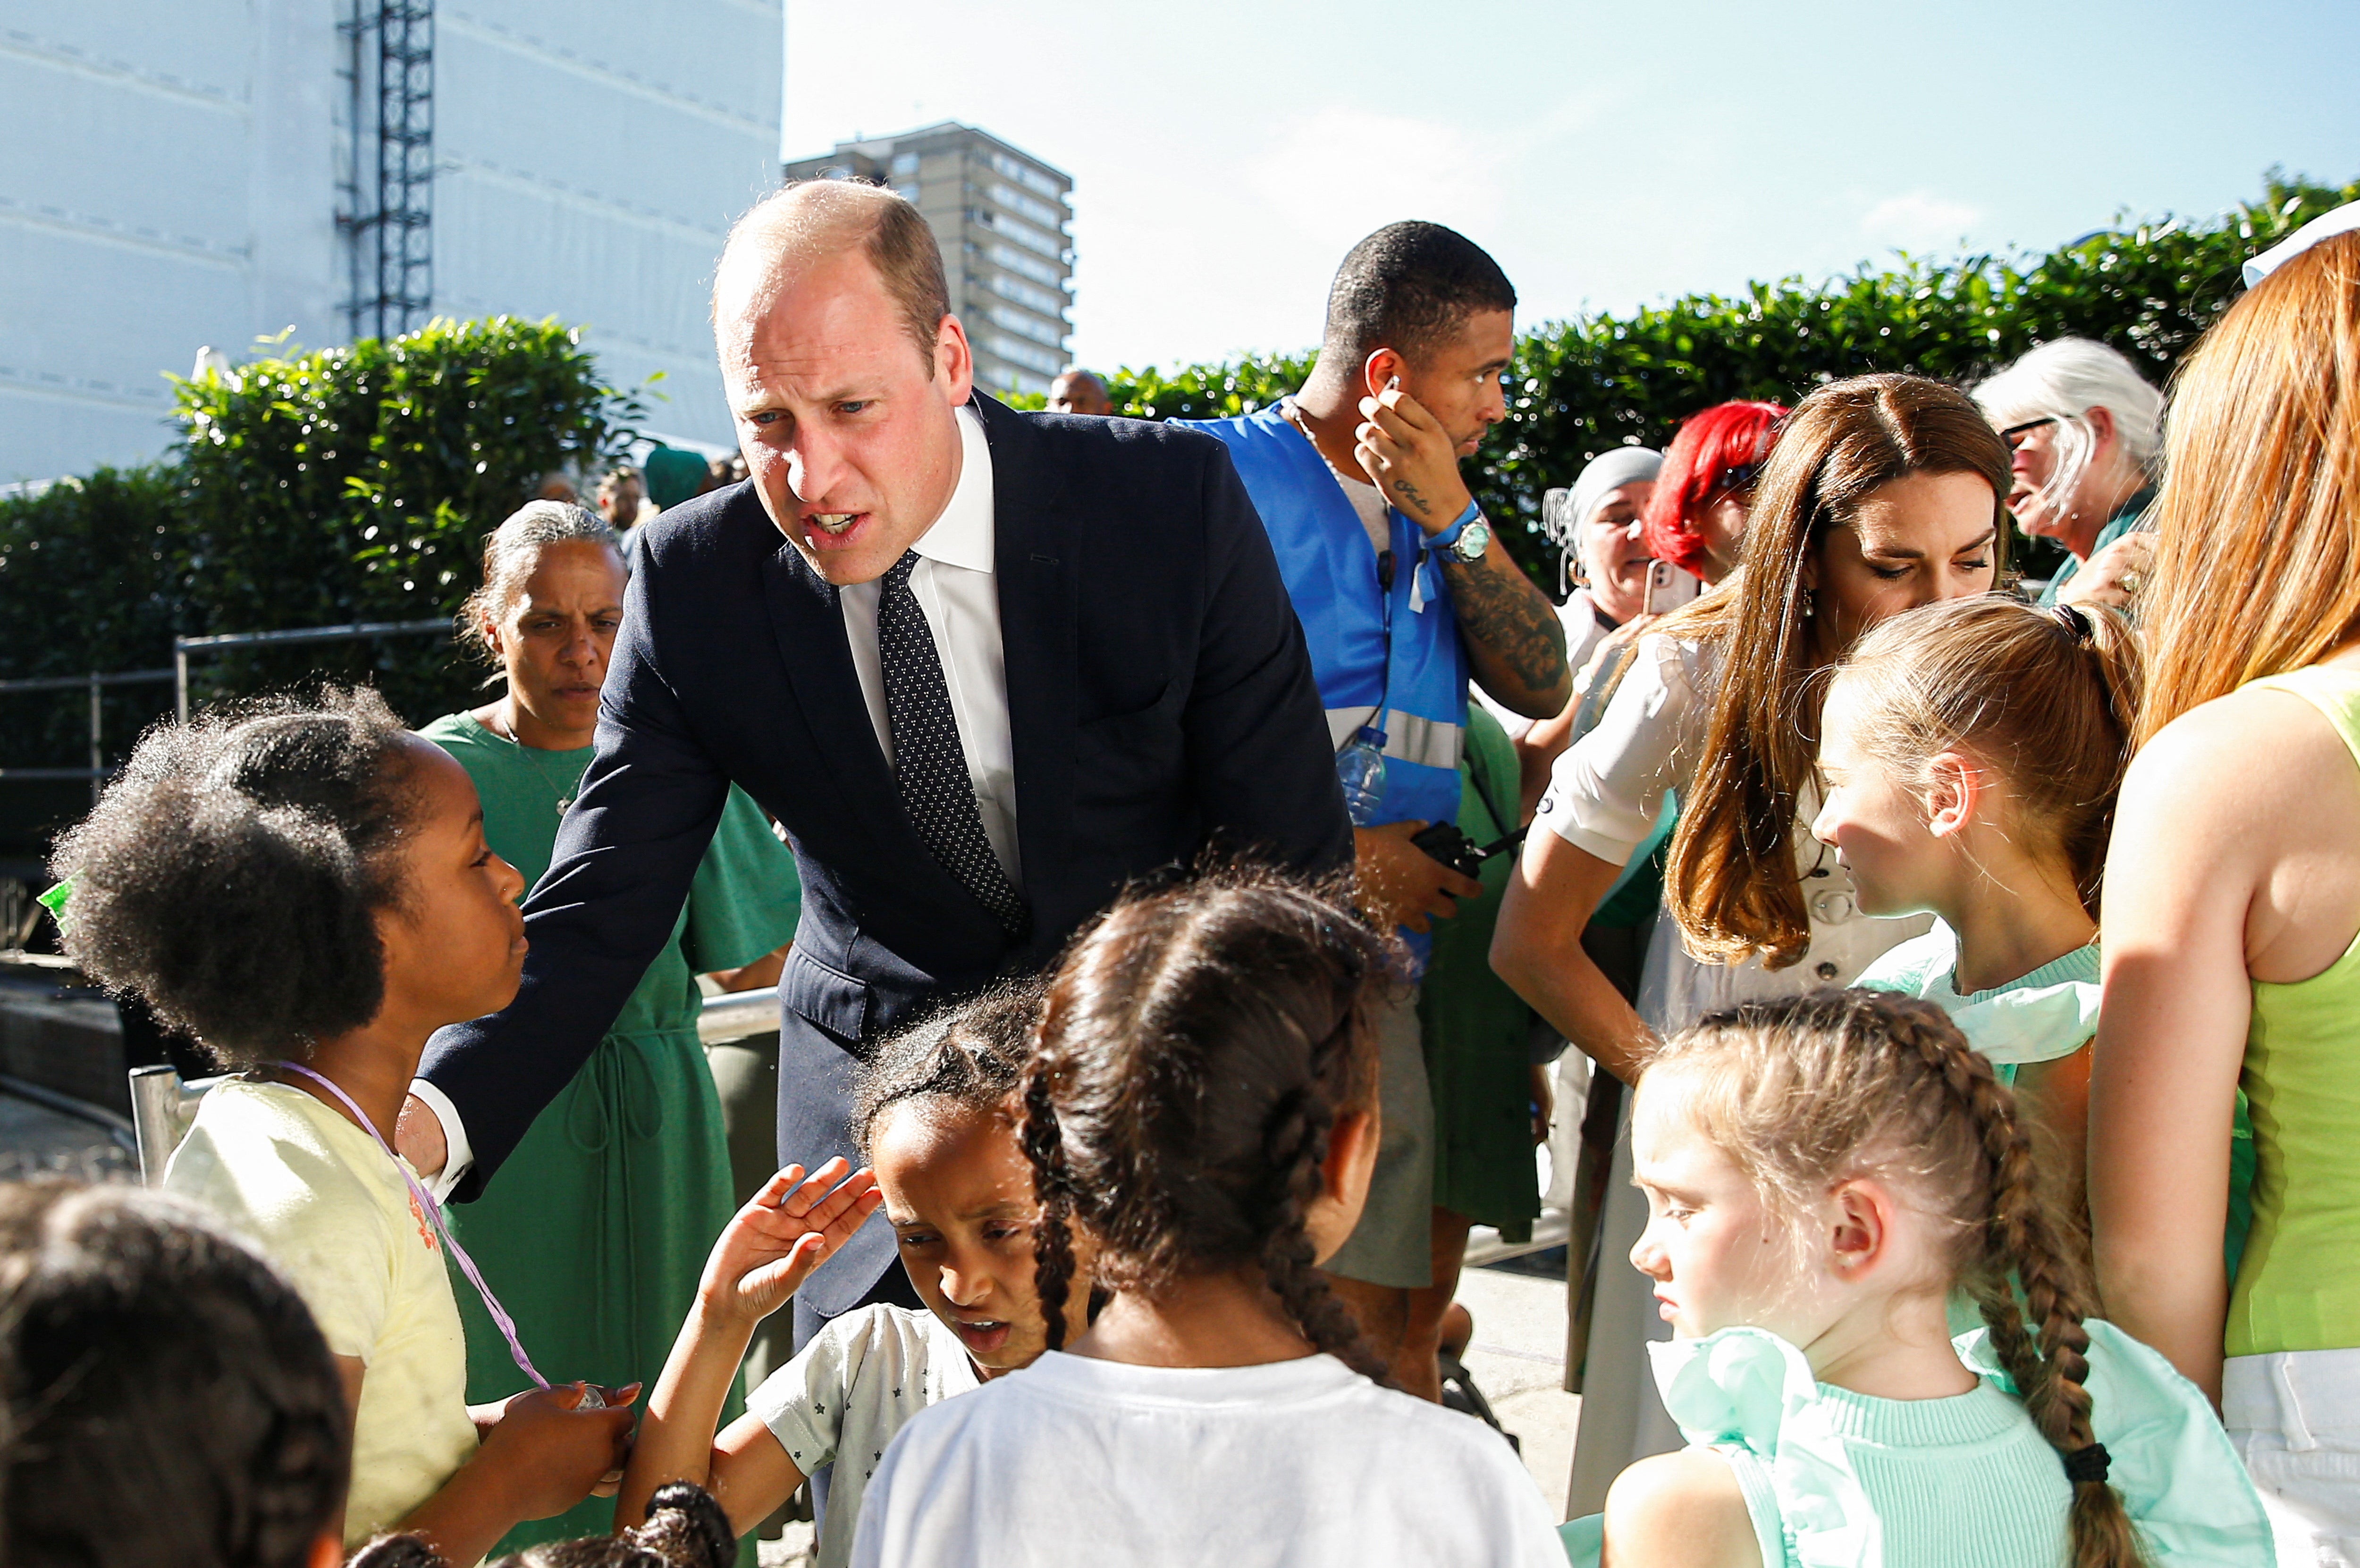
[1730,879]
[1408,288]
[970,1055]
[684,1529]
[1196,1048]
[232,873]
[170,1403]
[1806,1092]
[2046,697]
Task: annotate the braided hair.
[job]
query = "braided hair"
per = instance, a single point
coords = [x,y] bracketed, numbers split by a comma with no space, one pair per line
[1805,1092]
[970,1055]
[170,1403]
[1193,1053]
[684,1529]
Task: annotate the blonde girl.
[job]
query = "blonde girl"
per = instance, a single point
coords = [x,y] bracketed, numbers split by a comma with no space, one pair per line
[1822,1173]
[1969,754]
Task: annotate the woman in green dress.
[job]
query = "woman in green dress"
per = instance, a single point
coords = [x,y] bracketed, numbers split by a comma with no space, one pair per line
[595,1232]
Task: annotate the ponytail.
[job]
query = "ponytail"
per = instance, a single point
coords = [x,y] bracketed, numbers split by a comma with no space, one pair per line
[2049,698]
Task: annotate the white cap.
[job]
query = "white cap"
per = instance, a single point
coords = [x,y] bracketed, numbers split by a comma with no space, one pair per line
[2326,226]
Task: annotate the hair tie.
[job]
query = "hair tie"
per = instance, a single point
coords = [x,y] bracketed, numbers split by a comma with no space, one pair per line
[2070,617]
[2087,1464]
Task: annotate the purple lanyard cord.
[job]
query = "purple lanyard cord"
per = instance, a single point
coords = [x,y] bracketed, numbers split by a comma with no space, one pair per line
[433,1212]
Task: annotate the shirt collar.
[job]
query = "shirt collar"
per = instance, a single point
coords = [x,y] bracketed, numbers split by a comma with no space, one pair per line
[966,533]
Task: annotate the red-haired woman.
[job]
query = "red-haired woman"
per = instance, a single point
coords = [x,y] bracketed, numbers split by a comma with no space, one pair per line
[1696,514]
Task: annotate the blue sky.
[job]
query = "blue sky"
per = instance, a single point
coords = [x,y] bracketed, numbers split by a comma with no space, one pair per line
[1225,155]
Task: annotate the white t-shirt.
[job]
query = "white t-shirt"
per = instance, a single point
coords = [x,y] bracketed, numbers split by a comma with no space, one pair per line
[1604,795]
[845,1395]
[331,1210]
[1085,1462]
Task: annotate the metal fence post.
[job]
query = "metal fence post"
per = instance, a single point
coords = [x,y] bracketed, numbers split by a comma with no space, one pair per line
[97,755]
[181,679]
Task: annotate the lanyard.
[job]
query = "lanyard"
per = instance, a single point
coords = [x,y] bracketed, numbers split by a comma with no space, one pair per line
[426,1203]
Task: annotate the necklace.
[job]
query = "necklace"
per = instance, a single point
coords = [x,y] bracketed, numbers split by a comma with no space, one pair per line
[507,731]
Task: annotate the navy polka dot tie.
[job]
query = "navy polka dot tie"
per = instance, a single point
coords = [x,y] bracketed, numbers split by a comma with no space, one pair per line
[930,764]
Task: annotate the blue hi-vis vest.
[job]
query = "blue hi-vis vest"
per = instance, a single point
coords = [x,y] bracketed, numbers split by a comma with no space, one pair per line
[1331,575]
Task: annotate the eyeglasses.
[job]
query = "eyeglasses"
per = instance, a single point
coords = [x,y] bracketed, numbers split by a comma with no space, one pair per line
[2015,435]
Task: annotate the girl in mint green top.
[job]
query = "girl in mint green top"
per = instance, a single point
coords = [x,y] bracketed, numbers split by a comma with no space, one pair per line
[1971,752]
[595,1232]
[1822,1173]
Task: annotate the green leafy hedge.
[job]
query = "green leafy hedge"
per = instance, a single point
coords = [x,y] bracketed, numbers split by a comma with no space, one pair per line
[1579,386]
[352,483]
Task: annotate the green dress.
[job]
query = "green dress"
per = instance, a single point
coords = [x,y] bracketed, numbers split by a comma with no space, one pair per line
[595,1230]
[1478,1033]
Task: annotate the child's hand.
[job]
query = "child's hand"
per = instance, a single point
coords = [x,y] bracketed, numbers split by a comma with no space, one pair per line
[791,1227]
[551,1453]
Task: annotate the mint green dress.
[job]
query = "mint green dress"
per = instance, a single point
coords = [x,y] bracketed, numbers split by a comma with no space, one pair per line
[1835,1479]
[597,1225]
[2040,1016]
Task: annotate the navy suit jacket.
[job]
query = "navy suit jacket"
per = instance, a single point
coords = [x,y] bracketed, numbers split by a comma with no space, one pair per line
[1160,700]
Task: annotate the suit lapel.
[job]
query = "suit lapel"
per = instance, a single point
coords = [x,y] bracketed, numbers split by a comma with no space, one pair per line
[808,625]
[1035,570]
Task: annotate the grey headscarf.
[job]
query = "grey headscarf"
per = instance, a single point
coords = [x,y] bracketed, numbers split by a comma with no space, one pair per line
[1607,473]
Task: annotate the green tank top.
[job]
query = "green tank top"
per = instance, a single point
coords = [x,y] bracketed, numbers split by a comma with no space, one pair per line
[2299,1285]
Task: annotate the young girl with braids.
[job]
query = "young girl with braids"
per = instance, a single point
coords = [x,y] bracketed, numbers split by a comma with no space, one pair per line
[1200,1109]
[933,1115]
[1822,1173]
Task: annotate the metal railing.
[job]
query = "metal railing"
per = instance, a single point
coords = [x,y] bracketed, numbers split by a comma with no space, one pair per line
[183,646]
[163,1104]
[97,772]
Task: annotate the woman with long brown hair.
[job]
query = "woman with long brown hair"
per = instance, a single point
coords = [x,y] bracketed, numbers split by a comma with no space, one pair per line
[1882,494]
[2233,903]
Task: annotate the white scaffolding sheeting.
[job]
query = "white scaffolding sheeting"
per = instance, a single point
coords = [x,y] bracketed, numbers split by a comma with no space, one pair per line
[173,174]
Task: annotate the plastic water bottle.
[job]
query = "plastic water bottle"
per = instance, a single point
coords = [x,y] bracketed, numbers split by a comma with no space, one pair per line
[1360,769]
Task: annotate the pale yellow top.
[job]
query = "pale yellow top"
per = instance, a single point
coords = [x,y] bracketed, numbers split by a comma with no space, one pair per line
[331,1210]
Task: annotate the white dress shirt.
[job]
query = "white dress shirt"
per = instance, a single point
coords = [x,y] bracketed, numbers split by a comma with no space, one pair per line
[956,589]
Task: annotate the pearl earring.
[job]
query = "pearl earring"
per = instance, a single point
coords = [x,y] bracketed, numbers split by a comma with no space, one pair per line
[1811,603]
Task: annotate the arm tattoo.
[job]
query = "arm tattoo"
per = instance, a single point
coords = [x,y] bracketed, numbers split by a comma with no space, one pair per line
[1503,614]
[1414,497]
